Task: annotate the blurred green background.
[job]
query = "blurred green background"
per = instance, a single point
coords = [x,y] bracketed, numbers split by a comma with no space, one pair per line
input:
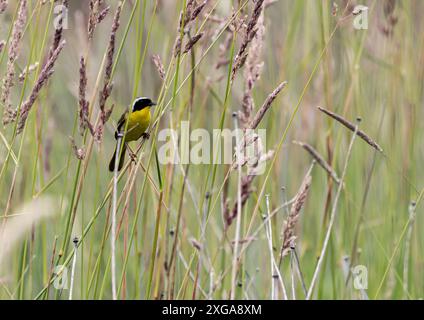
[376,74]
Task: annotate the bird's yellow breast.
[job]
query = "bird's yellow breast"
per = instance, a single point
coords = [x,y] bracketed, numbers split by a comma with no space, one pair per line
[138,123]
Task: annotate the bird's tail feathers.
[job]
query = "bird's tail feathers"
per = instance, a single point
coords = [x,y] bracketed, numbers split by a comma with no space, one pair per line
[121,159]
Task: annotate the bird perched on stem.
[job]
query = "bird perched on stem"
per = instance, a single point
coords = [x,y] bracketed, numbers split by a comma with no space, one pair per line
[131,126]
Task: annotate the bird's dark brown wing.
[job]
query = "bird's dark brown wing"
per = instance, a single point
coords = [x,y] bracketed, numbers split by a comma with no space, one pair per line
[121,123]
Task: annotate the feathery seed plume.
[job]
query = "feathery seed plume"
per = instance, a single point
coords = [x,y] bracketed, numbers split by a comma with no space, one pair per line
[108,85]
[252,72]
[44,75]
[319,159]
[96,16]
[83,112]
[192,42]
[58,31]
[3,5]
[79,152]
[352,127]
[251,30]
[190,13]
[266,105]
[159,65]
[288,230]
[9,113]
[26,72]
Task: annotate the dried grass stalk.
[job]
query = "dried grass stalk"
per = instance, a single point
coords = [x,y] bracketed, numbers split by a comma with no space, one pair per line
[9,113]
[83,112]
[188,9]
[27,72]
[246,191]
[332,218]
[290,225]
[223,49]
[177,46]
[181,23]
[159,65]
[96,16]
[74,264]
[197,10]
[266,105]
[196,244]
[192,42]
[44,75]
[319,159]
[352,127]
[108,85]
[190,13]
[244,240]
[79,152]
[109,58]
[251,30]
[253,161]
[58,32]
[251,139]
[252,72]
[92,19]
[102,15]
[3,5]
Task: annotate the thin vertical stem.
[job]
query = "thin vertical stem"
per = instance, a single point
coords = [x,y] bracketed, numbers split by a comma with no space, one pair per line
[238,222]
[408,246]
[74,263]
[332,218]
[299,271]
[275,272]
[268,230]
[293,280]
[113,227]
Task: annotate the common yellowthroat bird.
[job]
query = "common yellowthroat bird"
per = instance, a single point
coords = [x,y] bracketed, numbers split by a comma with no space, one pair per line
[138,121]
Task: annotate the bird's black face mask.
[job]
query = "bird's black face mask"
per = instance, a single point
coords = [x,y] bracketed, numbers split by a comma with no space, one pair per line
[141,103]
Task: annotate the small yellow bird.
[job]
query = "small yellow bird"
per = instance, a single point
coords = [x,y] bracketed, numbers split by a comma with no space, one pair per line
[138,122]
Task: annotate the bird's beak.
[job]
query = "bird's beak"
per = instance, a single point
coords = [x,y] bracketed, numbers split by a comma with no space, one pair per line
[153,104]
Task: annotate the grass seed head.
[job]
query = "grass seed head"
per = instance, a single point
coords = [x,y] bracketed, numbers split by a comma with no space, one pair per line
[352,127]
[266,105]
[159,66]
[27,72]
[83,103]
[251,30]
[44,75]
[289,228]
[96,16]
[192,42]
[9,114]
[3,5]
[319,159]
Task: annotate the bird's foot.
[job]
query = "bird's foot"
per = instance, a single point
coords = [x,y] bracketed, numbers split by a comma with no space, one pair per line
[146,135]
